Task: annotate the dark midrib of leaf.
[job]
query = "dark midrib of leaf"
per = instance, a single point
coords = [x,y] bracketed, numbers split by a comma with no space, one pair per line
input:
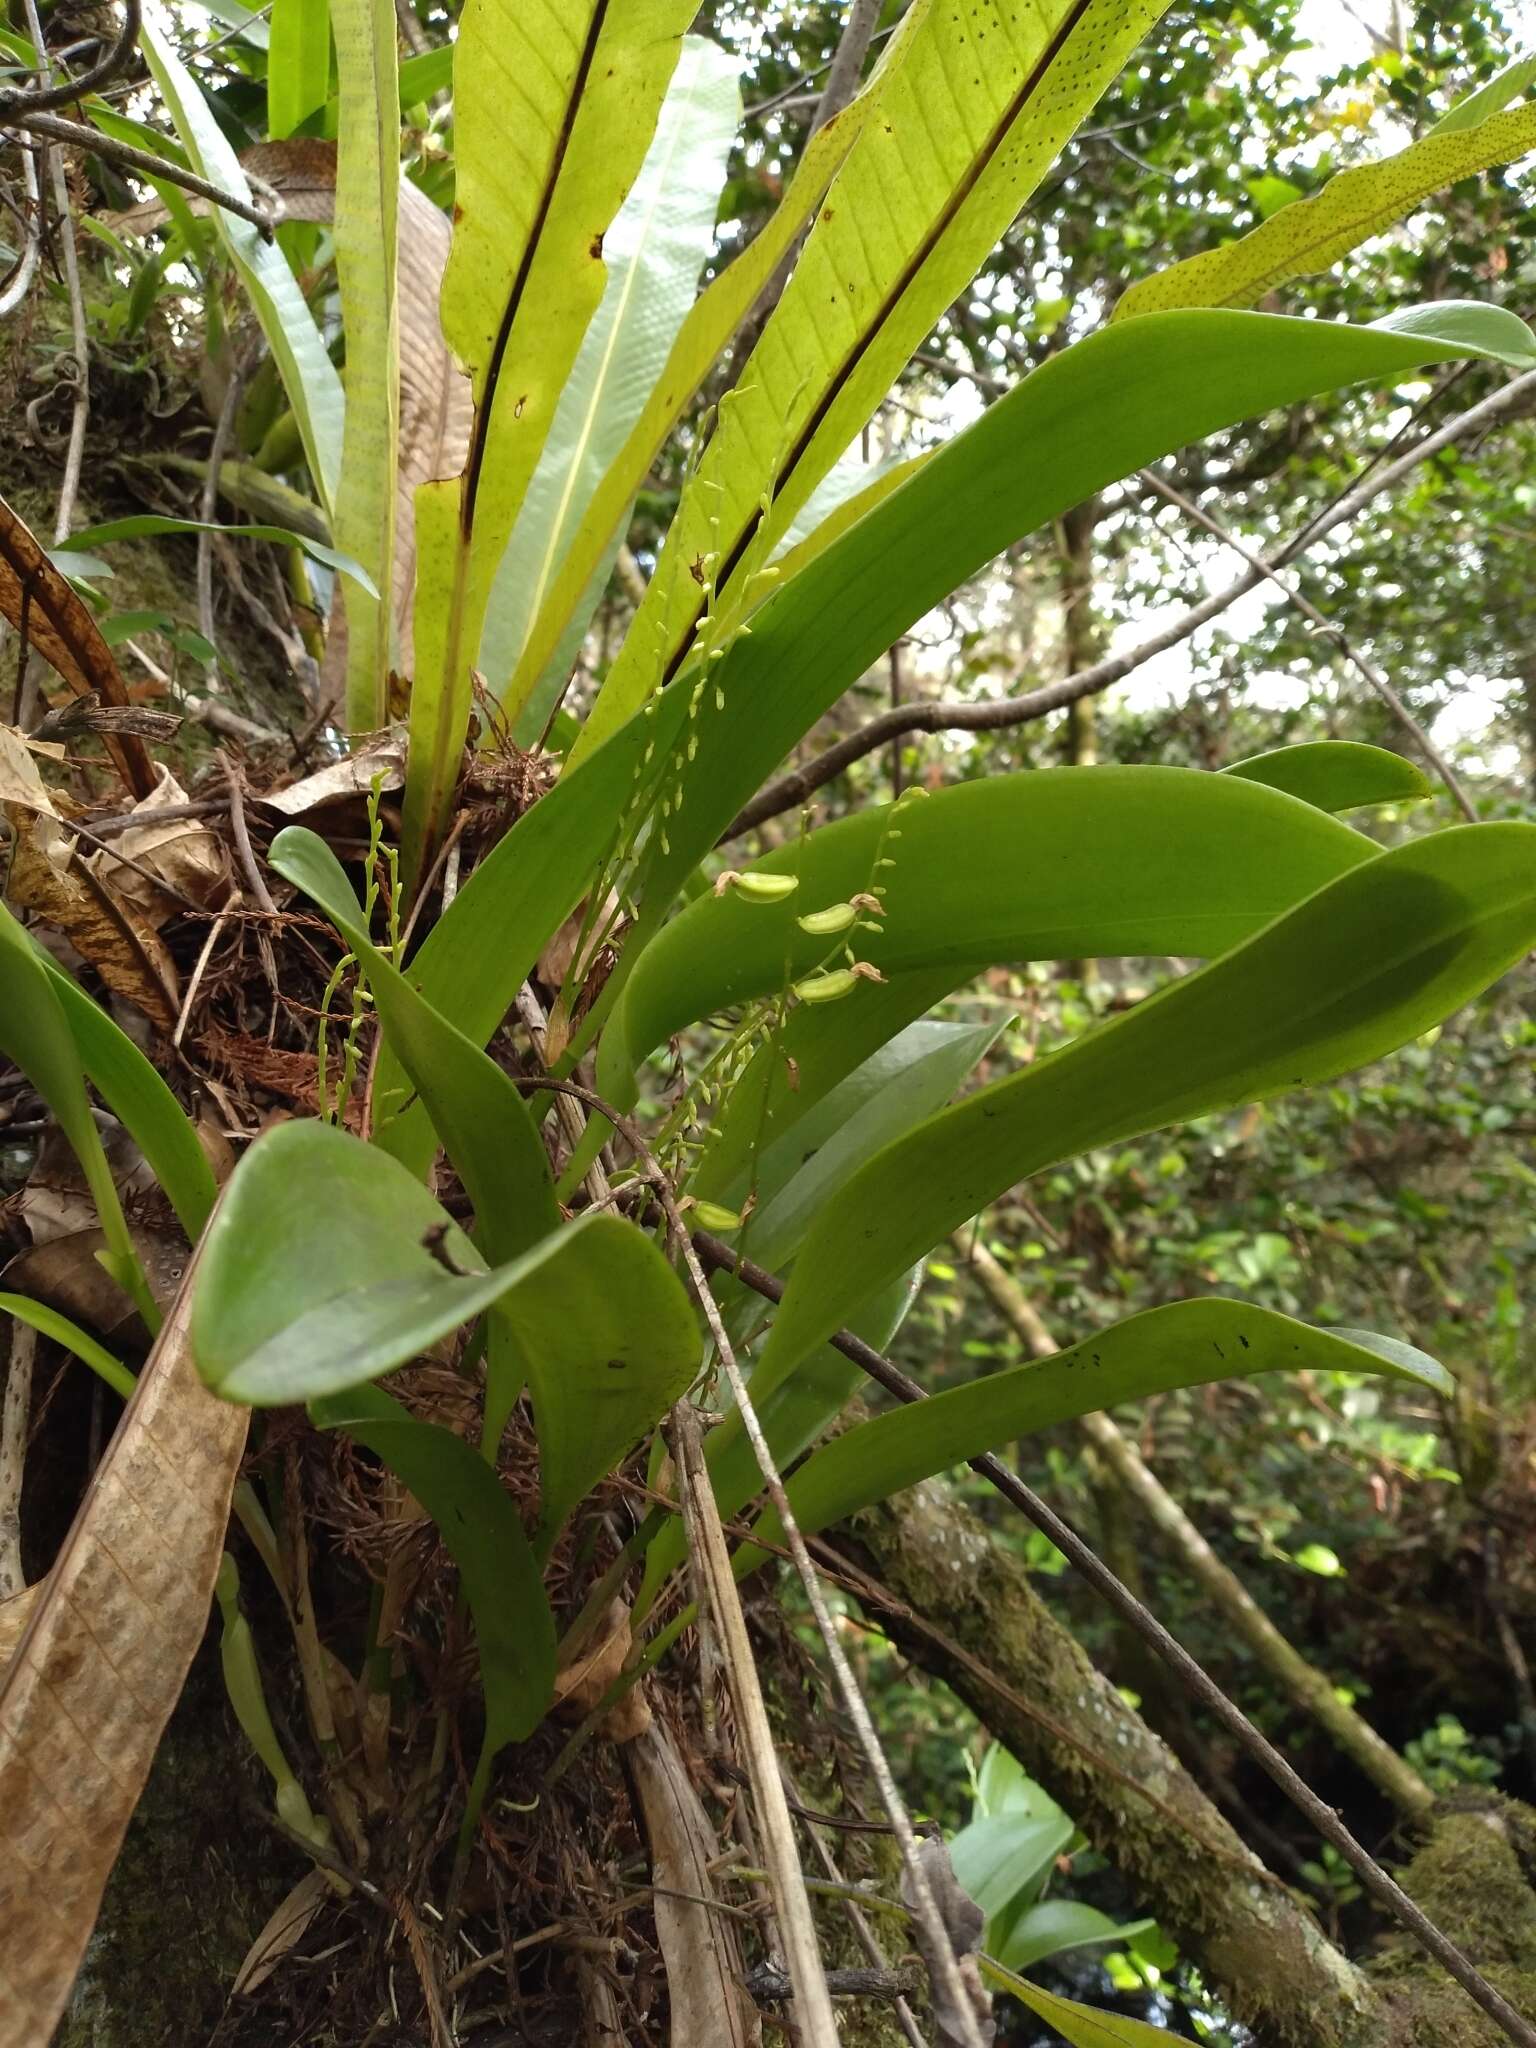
[484,410]
[963,190]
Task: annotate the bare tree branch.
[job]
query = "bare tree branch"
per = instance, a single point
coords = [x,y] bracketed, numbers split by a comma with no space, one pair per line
[847,64]
[1003,713]
[16,100]
[1377,679]
[142,162]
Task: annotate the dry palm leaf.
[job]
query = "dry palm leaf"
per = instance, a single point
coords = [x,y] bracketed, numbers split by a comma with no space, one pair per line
[46,877]
[289,1923]
[51,619]
[86,1696]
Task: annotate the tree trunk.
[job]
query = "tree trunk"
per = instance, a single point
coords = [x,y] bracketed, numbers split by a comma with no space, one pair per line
[1026,1677]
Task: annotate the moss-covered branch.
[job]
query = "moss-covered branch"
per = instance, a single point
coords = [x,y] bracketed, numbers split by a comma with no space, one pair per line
[964,1609]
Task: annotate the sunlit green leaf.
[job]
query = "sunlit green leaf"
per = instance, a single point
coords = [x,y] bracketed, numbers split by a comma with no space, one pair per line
[654,252]
[525,276]
[298,64]
[973,106]
[1080,2026]
[1312,234]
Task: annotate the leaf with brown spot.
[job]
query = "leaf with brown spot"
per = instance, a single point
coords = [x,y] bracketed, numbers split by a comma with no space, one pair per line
[38,601]
[99,1668]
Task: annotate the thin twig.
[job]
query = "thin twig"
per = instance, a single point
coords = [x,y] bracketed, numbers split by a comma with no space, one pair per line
[242,837]
[1003,713]
[200,969]
[197,807]
[706,1542]
[143,162]
[208,513]
[1378,681]
[797,91]
[1204,1688]
[31,100]
[847,63]
[221,719]
[536,1023]
[863,1932]
[19,283]
[115,853]
[69,489]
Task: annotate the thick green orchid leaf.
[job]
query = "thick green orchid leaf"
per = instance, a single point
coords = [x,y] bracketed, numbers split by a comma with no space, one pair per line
[1052,1927]
[1185,1344]
[1377,956]
[611,1341]
[1055,864]
[478,1113]
[909,1078]
[1335,775]
[35,1036]
[1080,2026]
[297,1301]
[1312,234]
[132,1089]
[1097,412]
[49,1323]
[1001,1855]
[482,1119]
